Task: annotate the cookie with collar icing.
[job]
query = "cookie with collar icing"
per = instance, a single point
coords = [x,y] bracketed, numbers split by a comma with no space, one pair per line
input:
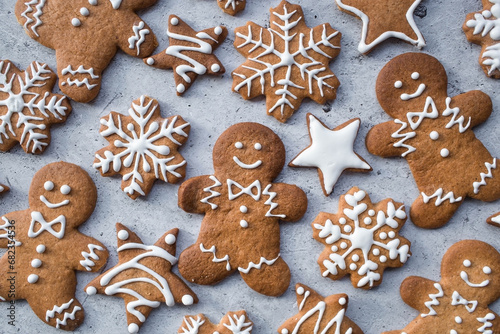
[458,303]
[86,35]
[243,207]
[143,277]
[190,53]
[232,323]
[286,62]
[232,7]
[434,133]
[45,248]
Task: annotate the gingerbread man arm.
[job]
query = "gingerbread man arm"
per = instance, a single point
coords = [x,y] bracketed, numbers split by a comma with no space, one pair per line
[418,292]
[290,201]
[475,106]
[91,255]
[136,38]
[9,229]
[199,194]
[385,141]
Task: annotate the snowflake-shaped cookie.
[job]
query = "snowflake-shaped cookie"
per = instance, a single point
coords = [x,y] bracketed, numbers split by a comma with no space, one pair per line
[28,107]
[286,62]
[143,147]
[362,239]
[232,323]
[232,7]
[483,28]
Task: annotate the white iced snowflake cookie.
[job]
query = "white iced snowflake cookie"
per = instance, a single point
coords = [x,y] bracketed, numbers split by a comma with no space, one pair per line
[362,239]
[231,323]
[143,147]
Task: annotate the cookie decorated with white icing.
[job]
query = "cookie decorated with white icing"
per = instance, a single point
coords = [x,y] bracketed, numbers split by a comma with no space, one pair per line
[45,248]
[458,303]
[143,277]
[143,147]
[86,35]
[286,62]
[3,188]
[331,151]
[362,239]
[231,323]
[383,20]
[28,107]
[232,7]
[243,207]
[319,315]
[433,132]
[190,53]
[483,28]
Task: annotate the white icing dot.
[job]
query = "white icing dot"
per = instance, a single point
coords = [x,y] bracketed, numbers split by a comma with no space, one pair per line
[257,146]
[76,22]
[342,220]
[383,235]
[170,239]
[238,145]
[187,300]
[49,185]
[218,30]
[300,291]
[215,68]
[65,189]
[353,266]
[376,251]
[243,209]
[467,263]
[93,2]
[392,234]
[486,14]
[40,249]
[130,127]
[284,331]
[383,258]
[487,270]
[32,279]
[342,301]
[453,331]
[243,223]
[123,235]
[434,135]
[174,21]
[367,220]
[398,84]
[444,152]
[36,263]
[334,249]
[371,213]
[355,257]
[347,229]
[343,245]
[181,88]
[91,291]
[415,75]
[133,328]
[150,61]
[84,11]
[458,320]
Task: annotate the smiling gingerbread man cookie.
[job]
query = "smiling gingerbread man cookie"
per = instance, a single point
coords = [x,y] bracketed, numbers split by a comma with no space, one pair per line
[45,247]
[470,273]
[433,132]
[242,207]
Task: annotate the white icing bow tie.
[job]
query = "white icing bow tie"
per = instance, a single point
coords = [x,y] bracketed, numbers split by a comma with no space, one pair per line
[250,190]
[457,299]
[37,220]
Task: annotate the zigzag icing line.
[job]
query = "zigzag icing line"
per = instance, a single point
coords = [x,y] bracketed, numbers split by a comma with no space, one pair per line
[36,15]
[78,83]
[89,257]
[433,302]
[439,199]
[138,38]
[270,202]
[404,137]
[80,70]
[58,309]
[67,316]
[489,167]
[454,112]
[259,265]
[213,193]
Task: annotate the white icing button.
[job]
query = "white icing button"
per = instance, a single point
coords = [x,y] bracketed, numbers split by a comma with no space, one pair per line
[376,251]
[174,21]
[392,234]
[347,229]
[334,249]
[215,68]
[398,84]
[170,239]
[65,189]
[181,88]
[487,270]
[343,245]
[84,11]
[342,301]
[91,291]
[458,320]
[453,331]
[434,135]
[445,153]
[355,257]
[367,220]
[383,259]
[93,2]
[133,328]
[284,331]
[40,249]
[123,235]
[238,145]
[415,75]
[371,213]
[342,220]
[187,300]
[76,22]
[467,263]
[300,290]
[36,263]
[243,223]
[243,209]
[383,235]
[353,266]
[49,185]
[32,279]
[218,30]
[150,61]
[257,146]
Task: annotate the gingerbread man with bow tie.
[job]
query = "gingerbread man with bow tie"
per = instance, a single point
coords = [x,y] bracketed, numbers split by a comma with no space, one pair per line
[45,248]
[242,207]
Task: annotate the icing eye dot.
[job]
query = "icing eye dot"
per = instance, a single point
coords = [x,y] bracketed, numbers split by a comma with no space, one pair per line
[487,270]
[355,257]
[84,11]
[415,75]
[434,135]
[383,258]
[40,249]
[174,21]
[347,229]
[218,31]
[123,235]
[187,300]
[238,145]
[371,213]
[383,235]
[300,290]
[65,189]
[91,291]
[376,252]
[444,152]
[353,266]
[170,239]
[398,84]
[257,146]
[467,263]
[342,220]
[150,61]
[367,220]
[49,185]
[342,301]
[343,245]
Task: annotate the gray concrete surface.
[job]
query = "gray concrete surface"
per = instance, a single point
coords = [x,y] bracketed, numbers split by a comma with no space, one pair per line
[211,107]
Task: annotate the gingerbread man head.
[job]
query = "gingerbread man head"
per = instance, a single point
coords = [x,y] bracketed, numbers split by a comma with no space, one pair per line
[67,191]
[237,155]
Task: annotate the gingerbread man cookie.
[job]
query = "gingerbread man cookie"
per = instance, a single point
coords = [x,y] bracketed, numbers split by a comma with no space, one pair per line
[242,207]
[232,323]
[433,132]
[483,28]
[45,247]
[101,26]
[470,281]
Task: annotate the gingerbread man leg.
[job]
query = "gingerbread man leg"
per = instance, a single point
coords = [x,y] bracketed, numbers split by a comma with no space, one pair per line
[270,277]
[439,206]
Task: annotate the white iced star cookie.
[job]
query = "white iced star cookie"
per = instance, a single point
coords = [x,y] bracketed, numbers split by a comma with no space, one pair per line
[331,151]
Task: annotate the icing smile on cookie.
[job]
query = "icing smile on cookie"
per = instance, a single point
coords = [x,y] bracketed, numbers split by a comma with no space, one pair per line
[465,276]
[49,186]
[254,165]
[417,93]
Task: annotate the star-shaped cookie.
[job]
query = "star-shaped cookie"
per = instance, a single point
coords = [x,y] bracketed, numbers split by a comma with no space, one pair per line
[331,151]
[383,20]
[190,53]
[232,323]
[143,276]
[319,315]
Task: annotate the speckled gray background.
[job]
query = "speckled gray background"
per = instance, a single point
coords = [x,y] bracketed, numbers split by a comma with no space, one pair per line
[211,107]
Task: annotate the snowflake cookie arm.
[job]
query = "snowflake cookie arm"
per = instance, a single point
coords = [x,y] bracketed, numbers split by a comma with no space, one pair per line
[7,225]
[472,107]
[199,194]
[286,201]
[421,294]
[389,139]
[235,323]
[136,38]
[232,7]
[90,254]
